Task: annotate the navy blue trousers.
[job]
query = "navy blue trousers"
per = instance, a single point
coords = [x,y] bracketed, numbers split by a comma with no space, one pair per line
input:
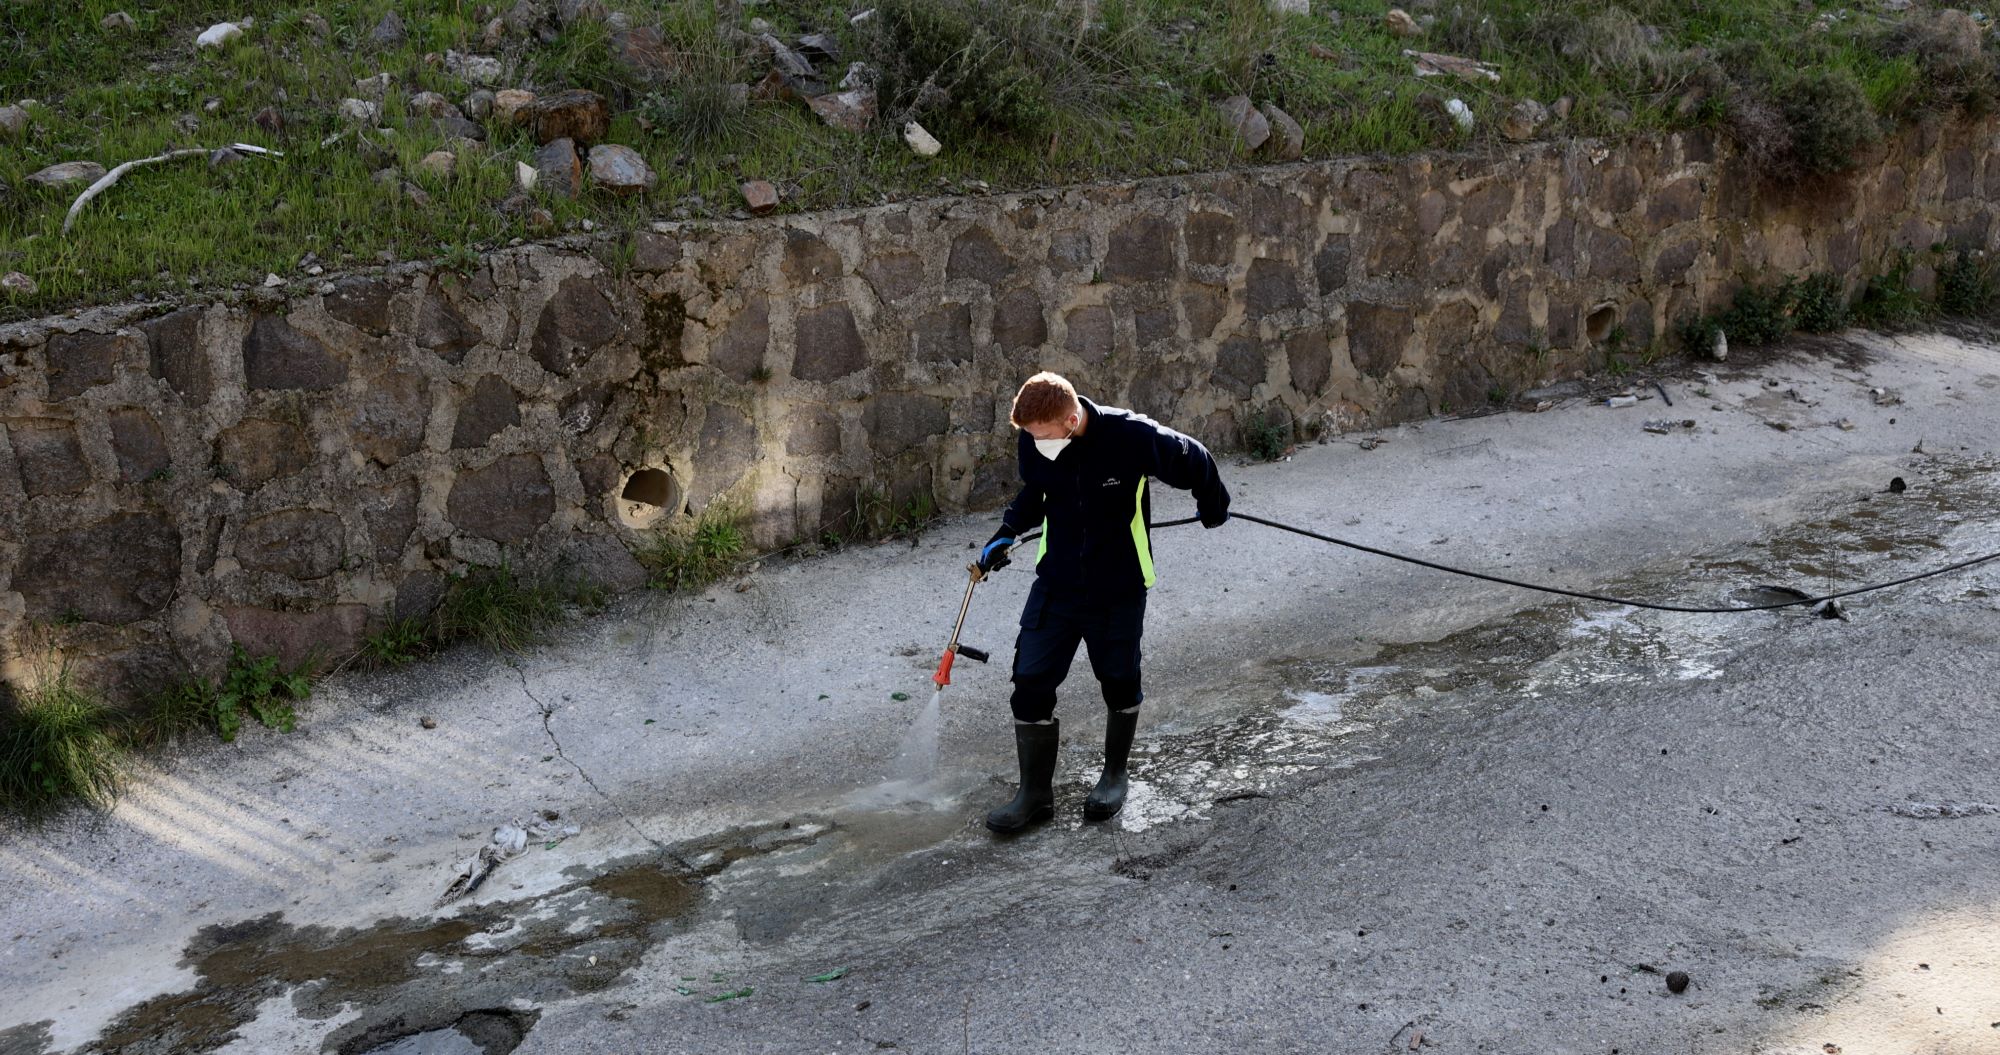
[1053,623]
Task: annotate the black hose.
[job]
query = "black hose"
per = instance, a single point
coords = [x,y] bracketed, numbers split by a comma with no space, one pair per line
[1597,596]
[1559,591]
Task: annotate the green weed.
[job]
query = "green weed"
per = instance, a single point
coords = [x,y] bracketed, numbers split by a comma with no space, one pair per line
[1965,283]
[1819,304]
[1268,434]
[498,609]
[256,687]
[398,644]
[57,748]
[692,555]
[1889,299]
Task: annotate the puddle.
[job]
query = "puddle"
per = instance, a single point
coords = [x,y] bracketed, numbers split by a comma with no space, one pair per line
[421,983]
[495,1031]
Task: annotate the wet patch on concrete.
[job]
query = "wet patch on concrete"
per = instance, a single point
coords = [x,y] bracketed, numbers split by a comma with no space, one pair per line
[32,1038]
[1321,716]
[426,978]
[489,1031]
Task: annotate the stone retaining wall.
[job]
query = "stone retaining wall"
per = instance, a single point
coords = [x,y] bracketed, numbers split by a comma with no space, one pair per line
[293,468]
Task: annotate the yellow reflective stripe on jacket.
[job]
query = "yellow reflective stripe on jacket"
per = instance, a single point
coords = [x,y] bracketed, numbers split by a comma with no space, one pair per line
[1042,547]
[1140,543]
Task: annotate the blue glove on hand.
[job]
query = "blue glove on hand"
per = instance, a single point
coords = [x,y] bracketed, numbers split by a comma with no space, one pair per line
[994,556]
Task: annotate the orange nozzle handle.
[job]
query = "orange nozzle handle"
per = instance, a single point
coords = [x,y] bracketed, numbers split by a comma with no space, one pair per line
[943,675]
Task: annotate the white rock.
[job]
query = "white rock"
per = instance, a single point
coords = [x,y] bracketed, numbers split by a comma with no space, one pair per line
[858,76]
[272,281]
[479,69]
[374,87]
[525,175]
[360,111]
[13,121]
[117,20]
[1461,114]
[925,144]
[218,34]
[17,283]
[1290,7]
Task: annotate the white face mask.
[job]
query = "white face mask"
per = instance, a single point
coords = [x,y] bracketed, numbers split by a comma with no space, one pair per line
[1051,448]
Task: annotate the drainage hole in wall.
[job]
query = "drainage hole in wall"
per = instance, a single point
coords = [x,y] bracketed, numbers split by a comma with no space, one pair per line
[1601,321]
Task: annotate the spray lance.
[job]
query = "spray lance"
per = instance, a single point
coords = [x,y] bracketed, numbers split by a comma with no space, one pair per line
[953,649]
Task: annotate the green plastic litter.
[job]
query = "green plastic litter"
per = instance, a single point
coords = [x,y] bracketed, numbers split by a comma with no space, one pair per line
[683,990]
[649,721]
[718,977]
[830,976]
[899,695]
[730,995]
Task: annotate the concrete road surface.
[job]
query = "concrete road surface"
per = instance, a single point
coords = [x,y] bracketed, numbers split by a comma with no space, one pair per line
[1375,808]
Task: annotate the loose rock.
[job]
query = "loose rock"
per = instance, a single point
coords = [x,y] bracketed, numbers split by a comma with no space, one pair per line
[271,120]
[1252,128]
[431,104]
[223,157]
[439,164]
[479,105]
[785,59]
[117,20]
[1525,119]
[13,121]
[848,111]
[17,284]
[218,35]
[417,195]
[922,142]
[760,196]
[558,169]
[1290,7]
[858,76]
[579,115]
[818,47]
[376,87]
[67,174]
[479,69]
[494,35]
[389,33]
[1677,982]
[507,103]
[360,111]
[525,175]
[1288,140]
[1401,24]
[620,170]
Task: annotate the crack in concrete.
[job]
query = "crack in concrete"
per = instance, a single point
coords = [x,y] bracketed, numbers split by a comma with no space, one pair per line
[548,711]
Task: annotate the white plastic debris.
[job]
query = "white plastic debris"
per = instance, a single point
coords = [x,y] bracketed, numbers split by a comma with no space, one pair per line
[218,34]
[1622,401]
[509,841]
[921,141]
[1460,113]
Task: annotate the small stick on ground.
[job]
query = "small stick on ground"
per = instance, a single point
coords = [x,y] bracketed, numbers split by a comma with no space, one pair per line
[105,181]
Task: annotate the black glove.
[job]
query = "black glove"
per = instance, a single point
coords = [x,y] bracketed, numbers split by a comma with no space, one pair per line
[993,556]
[1213,515]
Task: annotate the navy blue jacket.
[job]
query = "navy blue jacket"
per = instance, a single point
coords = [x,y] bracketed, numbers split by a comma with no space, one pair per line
[1091,501]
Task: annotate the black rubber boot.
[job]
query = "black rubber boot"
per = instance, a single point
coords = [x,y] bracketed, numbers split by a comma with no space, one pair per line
[1036,801]
[1108,797]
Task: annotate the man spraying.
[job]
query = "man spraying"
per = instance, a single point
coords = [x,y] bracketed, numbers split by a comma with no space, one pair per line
[1084,470]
